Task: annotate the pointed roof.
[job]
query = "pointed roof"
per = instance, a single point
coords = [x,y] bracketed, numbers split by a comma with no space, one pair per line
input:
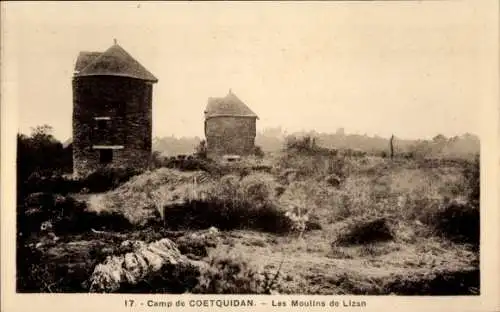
[113,62]
[85,58]
[230,105]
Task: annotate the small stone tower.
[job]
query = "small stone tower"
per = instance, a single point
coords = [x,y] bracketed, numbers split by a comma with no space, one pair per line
[112,111]
[230,126]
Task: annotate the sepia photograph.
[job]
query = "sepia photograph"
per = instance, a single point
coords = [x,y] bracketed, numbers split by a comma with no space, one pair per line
[254,149]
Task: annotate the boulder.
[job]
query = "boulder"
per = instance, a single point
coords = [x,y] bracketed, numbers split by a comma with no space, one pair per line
[131,268]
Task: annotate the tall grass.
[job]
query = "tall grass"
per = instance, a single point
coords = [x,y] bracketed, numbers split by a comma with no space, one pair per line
[370,188]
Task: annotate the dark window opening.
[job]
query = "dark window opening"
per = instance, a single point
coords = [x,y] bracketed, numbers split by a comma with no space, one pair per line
[105,156]
[102,124]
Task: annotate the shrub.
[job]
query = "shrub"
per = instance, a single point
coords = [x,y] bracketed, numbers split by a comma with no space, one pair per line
[196,245]
[230,273]
[46,182]
[31,277]
[157,160]
[307,166]
[201,150]
[471,174]
[38,272]
[190,163]
[226,216]
[41,207]
[248,203]
[257,188]
[458,221]
[106,179]
[65,214]
[230,203]
[258,152]
[194,248]
[360,231]
[440,283]
[306,145]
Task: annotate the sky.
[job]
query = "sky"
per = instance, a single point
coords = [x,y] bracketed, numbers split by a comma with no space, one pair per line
[413,69]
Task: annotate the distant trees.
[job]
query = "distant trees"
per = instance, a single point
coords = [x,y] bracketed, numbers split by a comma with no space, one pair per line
[273,140]
[439,139]
[171,145]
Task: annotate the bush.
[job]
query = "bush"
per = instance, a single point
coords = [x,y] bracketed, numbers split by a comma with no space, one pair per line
[441,283]
[226,216]
[44,182]
[101,180]
[301,200]
[307,166]
[65,214]
[106,179]
[201,150]
[41,207]
[247,203]
[258,152]
[458,221]
[230,273]
[471,174]
[364,232]
[189,163]
[230,203]
[306,145]
[157,160]
[38,271]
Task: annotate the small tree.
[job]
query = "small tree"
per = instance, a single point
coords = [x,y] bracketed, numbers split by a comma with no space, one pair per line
[304,145]
[257,151]
[201,150]
[157,160]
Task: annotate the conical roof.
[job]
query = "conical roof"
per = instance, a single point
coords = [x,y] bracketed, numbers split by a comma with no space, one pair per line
[230,105]
[84,59]
[113,62]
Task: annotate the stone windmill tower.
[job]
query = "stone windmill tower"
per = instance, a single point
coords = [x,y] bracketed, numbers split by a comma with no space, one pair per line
[230,126]
[112,111]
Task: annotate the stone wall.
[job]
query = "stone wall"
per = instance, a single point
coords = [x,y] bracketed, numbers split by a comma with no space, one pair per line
[128,104]
[230,135]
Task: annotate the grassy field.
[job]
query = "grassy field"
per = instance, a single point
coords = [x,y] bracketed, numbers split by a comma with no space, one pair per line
[290,223]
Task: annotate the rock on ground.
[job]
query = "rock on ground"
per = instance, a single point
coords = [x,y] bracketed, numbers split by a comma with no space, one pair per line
[132,267]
